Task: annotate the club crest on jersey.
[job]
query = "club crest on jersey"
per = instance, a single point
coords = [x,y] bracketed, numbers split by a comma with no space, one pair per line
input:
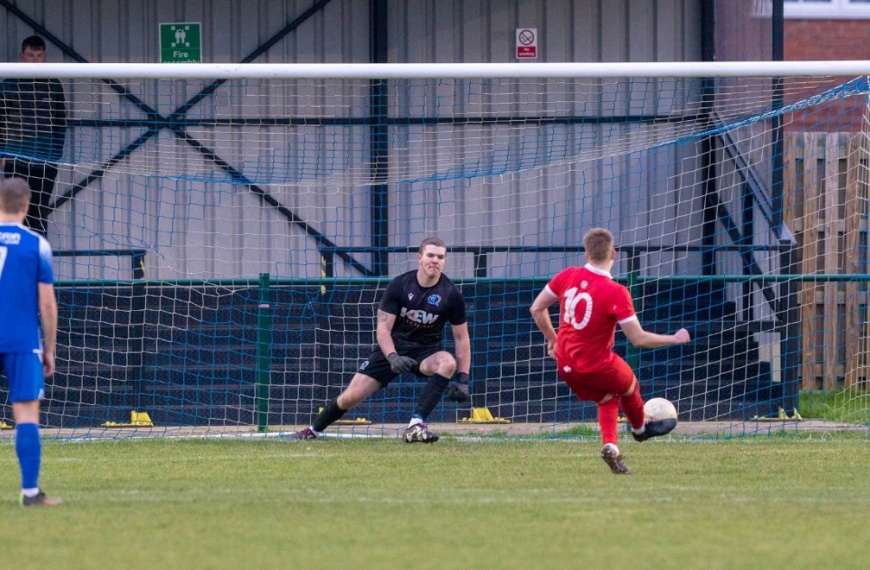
[434,299]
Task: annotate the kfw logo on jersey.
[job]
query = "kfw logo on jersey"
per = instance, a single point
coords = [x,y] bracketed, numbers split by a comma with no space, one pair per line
[10,238]
[418,316]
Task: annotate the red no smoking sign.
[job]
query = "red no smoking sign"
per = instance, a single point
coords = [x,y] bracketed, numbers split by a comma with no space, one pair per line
[527,43]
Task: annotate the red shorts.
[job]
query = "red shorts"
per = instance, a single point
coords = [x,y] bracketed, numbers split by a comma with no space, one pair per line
[616,378]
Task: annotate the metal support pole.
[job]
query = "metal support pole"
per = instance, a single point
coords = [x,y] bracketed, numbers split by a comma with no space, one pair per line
[632,354]
[136,332]
[791,332]
[379,139]
[263,353]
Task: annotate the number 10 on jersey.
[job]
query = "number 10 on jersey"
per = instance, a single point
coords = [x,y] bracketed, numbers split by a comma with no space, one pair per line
[572,299]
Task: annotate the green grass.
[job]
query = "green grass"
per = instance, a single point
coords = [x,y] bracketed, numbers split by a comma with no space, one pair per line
[848,405]
[772,502]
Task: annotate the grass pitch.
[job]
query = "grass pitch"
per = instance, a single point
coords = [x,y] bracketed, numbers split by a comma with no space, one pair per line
[769,502]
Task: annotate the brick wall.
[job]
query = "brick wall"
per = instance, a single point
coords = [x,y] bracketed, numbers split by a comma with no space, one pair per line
[820,39]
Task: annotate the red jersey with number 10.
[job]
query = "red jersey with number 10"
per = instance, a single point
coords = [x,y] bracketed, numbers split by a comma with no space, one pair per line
[591,304]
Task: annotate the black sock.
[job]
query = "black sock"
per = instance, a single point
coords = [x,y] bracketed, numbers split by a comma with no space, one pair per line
[331,413]
[430,395]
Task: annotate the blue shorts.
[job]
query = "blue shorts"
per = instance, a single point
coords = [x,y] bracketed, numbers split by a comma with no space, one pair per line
[24,373]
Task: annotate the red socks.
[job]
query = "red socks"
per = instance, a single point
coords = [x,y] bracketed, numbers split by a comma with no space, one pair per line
[608,416]
[632,407]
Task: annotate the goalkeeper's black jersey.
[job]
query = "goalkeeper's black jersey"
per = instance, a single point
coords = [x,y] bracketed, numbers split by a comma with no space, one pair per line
[422,312]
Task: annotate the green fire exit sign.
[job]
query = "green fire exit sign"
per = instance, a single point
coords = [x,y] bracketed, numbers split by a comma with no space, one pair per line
[181,42]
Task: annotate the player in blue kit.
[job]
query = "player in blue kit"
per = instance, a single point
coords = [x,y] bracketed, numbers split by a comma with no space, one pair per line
[412,314]
[26,300]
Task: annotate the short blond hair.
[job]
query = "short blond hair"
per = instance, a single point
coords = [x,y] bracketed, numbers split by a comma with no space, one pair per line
[598,243]
[431,241]
[14,195]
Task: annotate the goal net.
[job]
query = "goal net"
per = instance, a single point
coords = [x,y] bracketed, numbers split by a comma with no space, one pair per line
[223,234]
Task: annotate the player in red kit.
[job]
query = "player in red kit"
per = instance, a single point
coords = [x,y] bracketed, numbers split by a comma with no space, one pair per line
[592,304]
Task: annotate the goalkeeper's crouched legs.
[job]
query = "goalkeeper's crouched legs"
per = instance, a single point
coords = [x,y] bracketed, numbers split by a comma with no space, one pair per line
[430,395]
[330,414]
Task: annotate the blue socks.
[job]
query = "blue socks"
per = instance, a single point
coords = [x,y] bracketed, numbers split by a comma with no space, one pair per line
[28,448]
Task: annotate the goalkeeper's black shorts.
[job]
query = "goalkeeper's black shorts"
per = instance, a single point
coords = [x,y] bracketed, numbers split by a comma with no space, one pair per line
[378,367]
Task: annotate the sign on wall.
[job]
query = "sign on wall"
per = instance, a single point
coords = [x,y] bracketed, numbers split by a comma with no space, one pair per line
[181,42]
[527,43]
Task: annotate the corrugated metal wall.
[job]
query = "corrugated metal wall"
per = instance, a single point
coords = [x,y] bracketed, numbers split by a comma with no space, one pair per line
[419,30]
[201,223]
[584,30]
[127,30]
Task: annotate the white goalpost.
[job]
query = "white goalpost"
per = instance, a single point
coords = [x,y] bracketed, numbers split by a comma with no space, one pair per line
[223,232]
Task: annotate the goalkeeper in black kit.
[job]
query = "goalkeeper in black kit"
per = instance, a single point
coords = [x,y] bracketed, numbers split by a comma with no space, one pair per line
[412,314]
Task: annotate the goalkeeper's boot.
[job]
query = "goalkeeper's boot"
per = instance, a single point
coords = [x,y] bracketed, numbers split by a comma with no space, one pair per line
[38,499]
[306,433]
[419,433]
[655,428]
[615,461]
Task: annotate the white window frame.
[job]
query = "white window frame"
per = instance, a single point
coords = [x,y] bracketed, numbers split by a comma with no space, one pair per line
[830,9]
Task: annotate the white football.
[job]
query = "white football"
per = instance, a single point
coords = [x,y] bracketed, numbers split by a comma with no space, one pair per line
[659,409]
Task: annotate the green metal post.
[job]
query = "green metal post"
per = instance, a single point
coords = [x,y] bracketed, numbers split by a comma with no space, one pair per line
[263,359]
[632,354]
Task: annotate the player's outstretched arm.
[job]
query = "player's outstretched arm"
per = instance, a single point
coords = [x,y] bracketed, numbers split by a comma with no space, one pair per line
[645,339]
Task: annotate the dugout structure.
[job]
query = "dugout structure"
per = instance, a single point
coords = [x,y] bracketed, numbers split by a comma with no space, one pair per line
[223,232]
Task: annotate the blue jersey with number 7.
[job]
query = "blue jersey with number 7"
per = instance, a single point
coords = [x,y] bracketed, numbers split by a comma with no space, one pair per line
[25,261]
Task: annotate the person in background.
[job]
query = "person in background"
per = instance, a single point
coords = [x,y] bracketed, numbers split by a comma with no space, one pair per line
[33,122]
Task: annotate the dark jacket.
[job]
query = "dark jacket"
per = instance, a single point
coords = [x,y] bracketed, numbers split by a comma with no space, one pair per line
[32,119]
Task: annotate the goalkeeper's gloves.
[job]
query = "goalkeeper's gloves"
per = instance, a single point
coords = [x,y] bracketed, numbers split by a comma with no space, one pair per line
[458,389]
[399,364]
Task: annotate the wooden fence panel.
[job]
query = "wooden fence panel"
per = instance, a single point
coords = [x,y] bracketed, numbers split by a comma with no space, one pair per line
[826,183]
[856,210]
[831,229]
[807,234]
